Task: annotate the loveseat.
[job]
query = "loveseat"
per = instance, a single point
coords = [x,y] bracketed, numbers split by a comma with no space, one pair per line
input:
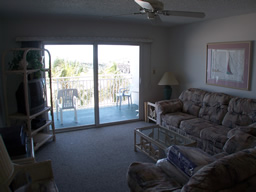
[214,120]
[224,172]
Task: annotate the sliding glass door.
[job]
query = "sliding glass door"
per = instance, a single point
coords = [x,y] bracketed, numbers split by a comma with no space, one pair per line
[100,84]
[118,82]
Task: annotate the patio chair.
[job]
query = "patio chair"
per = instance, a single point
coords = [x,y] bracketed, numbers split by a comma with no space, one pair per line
[123,92]
[30,177]
[66,99]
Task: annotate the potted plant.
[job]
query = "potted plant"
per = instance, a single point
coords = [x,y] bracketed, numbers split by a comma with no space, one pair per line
[33,58]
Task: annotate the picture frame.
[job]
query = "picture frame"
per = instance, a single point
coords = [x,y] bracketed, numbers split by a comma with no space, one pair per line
[228,64]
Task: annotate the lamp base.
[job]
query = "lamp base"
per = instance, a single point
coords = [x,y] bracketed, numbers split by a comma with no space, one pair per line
[167,92]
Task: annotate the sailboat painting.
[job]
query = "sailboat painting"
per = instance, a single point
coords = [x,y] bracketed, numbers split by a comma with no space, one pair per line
[229,72]
[228,64]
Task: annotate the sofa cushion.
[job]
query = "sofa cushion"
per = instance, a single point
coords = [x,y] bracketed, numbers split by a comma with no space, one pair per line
[214,107]
[217,135]
[149,177]
[251,129]
[192,100]
[224,173]
[241,112]
[239,141]
[174,119]
[194,126]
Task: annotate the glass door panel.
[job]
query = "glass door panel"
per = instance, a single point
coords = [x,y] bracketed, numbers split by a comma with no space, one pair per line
[118,82]
[72,85]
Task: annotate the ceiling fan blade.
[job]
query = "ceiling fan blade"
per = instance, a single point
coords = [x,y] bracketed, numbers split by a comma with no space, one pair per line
[182,13]
[144,5]
[125,14]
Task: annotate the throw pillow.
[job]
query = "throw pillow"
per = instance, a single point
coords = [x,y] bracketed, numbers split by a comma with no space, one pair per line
[188,159]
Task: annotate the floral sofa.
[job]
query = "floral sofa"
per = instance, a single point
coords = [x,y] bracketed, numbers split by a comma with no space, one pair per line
[224,173]
[214,120]
[224,159]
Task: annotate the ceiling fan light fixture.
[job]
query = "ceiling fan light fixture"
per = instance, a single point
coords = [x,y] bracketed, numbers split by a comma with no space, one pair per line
[142,11]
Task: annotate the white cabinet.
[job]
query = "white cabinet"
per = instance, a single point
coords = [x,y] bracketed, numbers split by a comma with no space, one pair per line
[25,72]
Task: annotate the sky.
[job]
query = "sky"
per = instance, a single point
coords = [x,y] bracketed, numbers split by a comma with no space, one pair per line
[84,53]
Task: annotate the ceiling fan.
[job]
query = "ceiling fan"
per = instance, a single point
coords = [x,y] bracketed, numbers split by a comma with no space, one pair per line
[154,7]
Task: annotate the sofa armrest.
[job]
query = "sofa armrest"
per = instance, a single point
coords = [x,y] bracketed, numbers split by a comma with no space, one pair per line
[172,171]
[149,177]
[239,141]
[167,106]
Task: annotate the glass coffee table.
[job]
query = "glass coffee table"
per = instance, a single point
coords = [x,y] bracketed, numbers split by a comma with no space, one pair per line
[154,140]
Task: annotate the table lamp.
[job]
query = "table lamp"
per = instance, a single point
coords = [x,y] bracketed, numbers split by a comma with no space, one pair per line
[168,79]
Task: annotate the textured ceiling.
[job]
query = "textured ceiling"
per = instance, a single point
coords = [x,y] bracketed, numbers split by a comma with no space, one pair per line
[123,10]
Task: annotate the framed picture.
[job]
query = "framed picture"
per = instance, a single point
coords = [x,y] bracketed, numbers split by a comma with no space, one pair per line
[228,64]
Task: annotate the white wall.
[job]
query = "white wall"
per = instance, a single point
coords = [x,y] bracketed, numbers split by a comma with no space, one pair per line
[187,50]
[78,27]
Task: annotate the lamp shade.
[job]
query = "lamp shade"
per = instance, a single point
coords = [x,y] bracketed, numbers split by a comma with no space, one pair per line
[6,165]
[168,79]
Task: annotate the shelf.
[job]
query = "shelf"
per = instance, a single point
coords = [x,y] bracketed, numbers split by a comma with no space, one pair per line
[42,134]
[34,132]
[27,71]
[41,138]
[22,71]
[27,158]
[25,117]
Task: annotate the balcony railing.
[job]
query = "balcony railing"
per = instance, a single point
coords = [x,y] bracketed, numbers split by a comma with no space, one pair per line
[108,86]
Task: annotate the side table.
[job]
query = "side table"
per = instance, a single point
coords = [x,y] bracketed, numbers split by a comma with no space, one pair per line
[150,112]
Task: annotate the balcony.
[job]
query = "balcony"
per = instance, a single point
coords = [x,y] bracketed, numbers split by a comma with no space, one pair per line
[108,87]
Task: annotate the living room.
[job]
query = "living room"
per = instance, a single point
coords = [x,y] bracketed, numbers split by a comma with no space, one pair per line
[181,49]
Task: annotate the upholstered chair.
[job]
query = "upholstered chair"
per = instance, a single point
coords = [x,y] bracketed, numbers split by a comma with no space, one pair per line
[32,177]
